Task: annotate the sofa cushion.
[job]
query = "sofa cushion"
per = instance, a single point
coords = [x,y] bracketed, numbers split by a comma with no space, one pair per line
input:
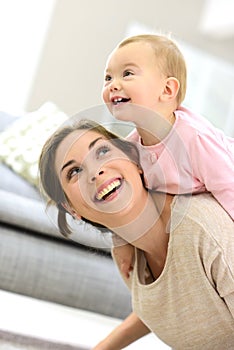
[21,141]
[14,183]
[62,273]
[5,120]
[30,214]
[11,181]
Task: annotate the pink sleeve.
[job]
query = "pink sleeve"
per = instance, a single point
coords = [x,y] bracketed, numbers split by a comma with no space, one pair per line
[213,164]
[212,160]
[134,136]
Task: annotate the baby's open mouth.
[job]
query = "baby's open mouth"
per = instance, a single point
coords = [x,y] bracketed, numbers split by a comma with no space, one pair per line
[107,191]
[118,100]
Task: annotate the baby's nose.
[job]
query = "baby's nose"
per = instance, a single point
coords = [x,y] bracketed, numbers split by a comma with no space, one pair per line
[115,85]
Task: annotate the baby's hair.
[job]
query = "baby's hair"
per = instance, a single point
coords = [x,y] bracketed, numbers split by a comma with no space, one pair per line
[170,59]
[49,179]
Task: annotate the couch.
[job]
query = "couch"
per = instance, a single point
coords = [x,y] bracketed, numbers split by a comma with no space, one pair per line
[37,261]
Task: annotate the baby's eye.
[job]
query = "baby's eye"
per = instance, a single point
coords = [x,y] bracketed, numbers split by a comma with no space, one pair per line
[101,151]
[127,73]
[73,171]
[107,77]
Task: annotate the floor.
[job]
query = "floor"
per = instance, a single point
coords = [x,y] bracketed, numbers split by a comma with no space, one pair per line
[40,319]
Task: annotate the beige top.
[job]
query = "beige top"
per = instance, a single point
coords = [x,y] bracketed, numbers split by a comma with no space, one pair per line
[191,304]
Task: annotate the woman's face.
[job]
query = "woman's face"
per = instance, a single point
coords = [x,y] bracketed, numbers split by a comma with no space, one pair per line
[101,183]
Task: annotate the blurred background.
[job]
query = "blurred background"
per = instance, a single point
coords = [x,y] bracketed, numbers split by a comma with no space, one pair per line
[55,50]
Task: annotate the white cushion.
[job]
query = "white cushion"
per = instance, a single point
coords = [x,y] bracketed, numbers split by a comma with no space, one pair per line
[22,141]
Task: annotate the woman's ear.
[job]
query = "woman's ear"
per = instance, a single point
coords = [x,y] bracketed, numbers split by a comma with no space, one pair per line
[71,211]
[171,89]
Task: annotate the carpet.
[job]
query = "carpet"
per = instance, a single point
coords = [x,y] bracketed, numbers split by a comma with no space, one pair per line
[14,341]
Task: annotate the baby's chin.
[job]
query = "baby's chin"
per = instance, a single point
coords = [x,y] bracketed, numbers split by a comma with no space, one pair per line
[124,111]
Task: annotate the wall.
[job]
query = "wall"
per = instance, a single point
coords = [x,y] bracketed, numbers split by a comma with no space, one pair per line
[23,27]
[82,33]
[56,50]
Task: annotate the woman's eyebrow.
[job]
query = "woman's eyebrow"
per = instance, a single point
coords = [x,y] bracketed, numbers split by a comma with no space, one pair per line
[67,164]
[91,145]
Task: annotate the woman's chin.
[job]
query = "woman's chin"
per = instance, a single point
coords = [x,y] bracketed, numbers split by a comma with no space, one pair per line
[118,202]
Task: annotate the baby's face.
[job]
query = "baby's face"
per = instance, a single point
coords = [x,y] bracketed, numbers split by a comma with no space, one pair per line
[132,76]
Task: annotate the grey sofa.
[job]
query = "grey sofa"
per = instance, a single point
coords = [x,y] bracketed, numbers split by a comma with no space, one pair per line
[35,260]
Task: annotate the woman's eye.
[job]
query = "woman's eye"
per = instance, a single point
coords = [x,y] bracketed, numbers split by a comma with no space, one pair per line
[127,73]
[102,151]
[74,171]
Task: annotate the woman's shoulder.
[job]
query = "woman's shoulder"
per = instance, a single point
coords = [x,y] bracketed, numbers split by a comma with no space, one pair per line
[203,229]
[203,213]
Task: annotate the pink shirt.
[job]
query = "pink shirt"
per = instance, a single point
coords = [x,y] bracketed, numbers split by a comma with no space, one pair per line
[194,157]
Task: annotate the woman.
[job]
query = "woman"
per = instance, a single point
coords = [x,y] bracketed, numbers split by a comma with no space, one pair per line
[182,283]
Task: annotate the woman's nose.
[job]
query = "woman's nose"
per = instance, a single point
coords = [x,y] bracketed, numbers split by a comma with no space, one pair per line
[93,178]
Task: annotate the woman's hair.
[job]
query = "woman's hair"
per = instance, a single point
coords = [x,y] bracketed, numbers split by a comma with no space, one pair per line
[169,58]
[50,182]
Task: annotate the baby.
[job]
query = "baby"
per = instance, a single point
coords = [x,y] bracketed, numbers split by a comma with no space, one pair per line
[180,151]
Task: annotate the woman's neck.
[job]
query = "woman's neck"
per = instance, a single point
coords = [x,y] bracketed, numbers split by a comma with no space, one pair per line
[157,239]
[144,219]
[148,231]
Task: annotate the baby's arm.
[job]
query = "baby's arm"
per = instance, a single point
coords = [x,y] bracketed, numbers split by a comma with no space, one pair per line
[213,163]
[130,330]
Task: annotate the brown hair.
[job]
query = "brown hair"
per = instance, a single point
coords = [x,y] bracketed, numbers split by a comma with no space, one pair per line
[49,179]
[170,59]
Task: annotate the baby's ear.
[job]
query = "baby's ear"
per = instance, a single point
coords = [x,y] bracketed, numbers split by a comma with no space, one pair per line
[171,89]
[71,211]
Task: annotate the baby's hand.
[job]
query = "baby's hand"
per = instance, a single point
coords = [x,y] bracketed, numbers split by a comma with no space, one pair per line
[126,268]
[124,257]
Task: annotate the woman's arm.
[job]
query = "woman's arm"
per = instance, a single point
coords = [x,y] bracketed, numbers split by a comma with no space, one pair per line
[130,330]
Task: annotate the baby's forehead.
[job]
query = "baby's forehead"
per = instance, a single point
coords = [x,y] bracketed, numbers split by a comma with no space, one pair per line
[128,52]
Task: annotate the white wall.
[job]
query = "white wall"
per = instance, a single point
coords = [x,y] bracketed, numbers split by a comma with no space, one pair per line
[83,32]
[23,27]
[210,88]
[56,50]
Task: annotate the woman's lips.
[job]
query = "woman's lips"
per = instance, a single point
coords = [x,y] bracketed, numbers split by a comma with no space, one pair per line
[107,188]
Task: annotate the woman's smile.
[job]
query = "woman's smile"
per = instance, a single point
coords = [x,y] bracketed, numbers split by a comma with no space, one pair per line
[109,190]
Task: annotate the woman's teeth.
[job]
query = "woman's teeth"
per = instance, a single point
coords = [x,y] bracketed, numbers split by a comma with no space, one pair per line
[112,186]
